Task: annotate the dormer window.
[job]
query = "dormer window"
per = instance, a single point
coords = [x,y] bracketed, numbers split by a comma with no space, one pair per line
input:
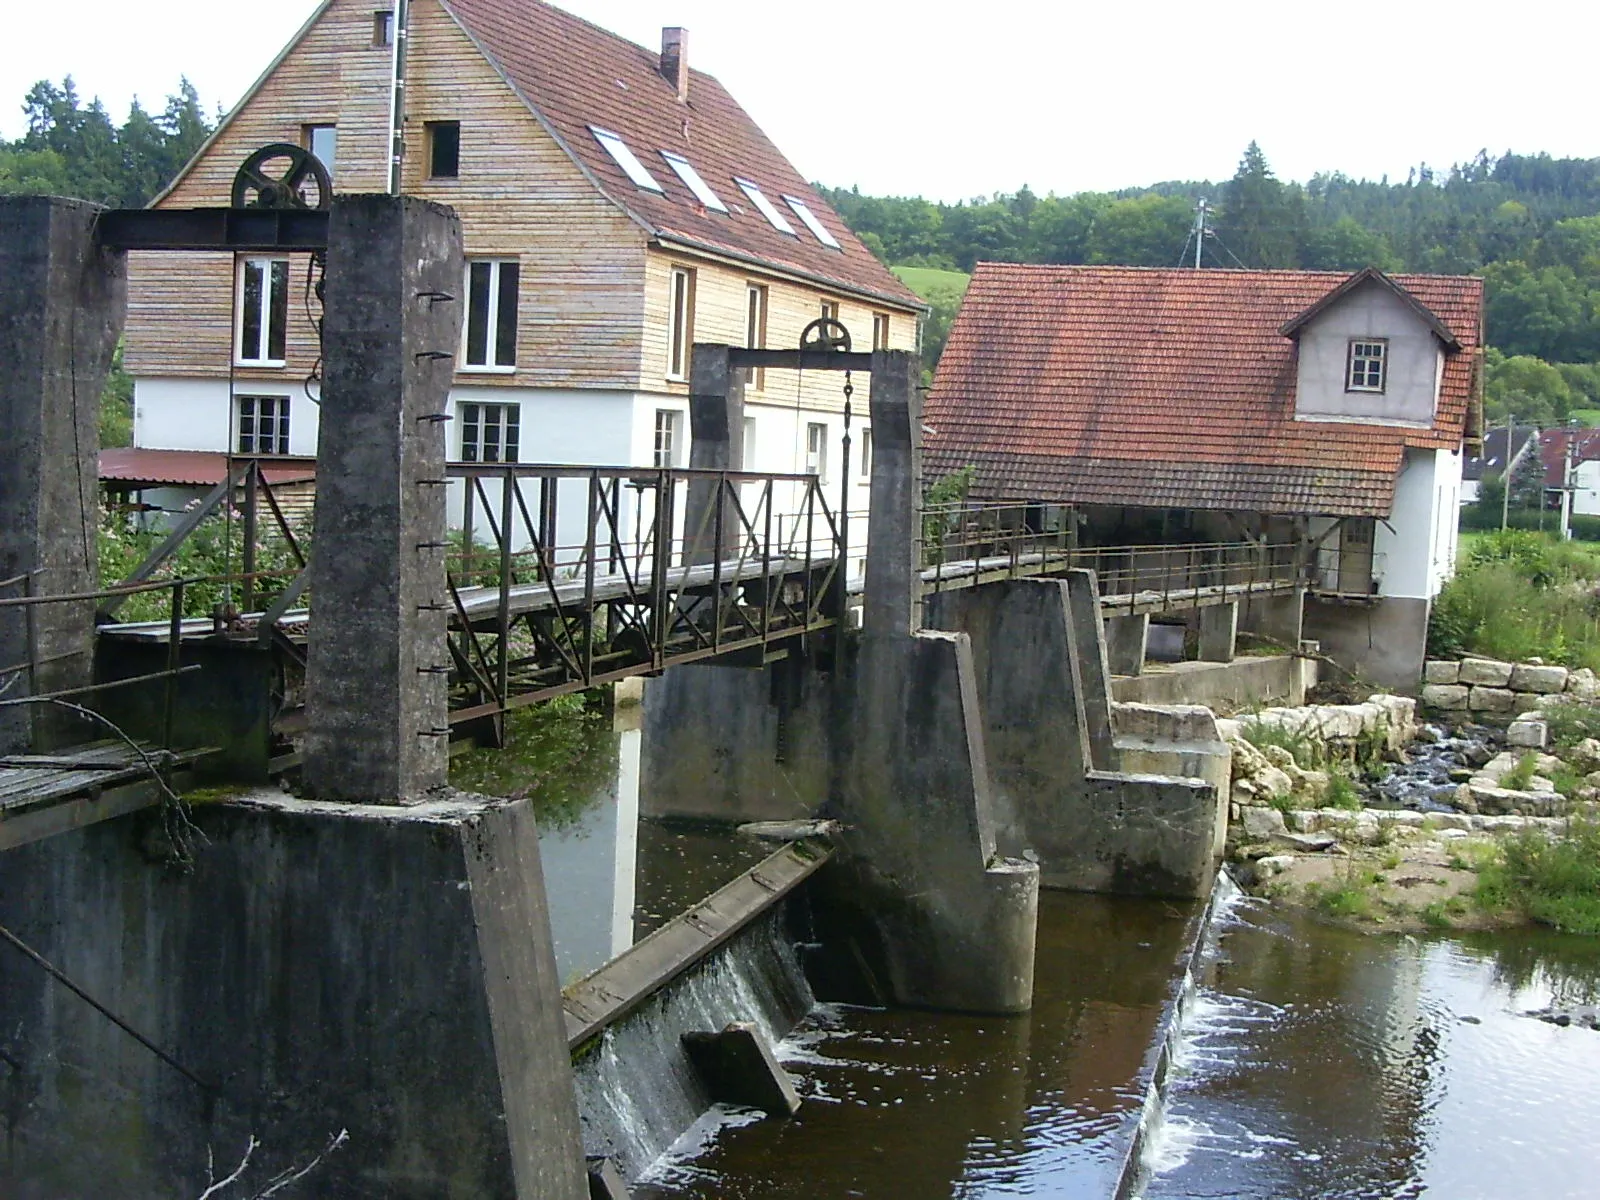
[1368,360]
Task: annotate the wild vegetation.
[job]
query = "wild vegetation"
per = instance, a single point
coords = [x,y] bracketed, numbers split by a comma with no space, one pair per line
[1555,881]
[1518,595]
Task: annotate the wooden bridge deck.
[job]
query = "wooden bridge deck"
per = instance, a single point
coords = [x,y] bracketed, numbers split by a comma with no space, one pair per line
[45,794]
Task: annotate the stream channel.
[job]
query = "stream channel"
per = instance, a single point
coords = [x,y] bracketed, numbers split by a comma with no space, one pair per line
[1308,1061]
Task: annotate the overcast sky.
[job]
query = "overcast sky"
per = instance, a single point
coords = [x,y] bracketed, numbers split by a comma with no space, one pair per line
[951,100]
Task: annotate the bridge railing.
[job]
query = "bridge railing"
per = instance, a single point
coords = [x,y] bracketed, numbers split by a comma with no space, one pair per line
[963,544]
[563,577]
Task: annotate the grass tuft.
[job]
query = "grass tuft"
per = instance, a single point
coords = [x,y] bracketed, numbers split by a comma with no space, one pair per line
[1520,776]
[1555,881]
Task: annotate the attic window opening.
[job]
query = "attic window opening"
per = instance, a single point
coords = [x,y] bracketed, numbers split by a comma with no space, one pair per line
[382,28]
[764,206]
[635,170]
[809,220]
[444,149]
[1368,365]
[685,171]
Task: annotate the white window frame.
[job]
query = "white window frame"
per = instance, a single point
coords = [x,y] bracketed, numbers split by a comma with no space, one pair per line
[864,463]
[664,449]
[809,220]
[765,207]
[756,301]
[308,136]
[277,416]
[491,364]
[880,330]
[749,435]
[1367,351]
[272,305]
[611,142]
[477,418]
[684,170]
[817,450]
[680,322]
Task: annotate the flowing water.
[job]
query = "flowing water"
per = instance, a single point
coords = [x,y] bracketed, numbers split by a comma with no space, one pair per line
[1315,1062]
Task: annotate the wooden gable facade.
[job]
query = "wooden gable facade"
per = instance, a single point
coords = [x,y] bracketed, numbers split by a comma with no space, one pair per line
[595,280]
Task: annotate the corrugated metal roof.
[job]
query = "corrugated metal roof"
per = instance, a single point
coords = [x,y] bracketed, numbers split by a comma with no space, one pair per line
[192,468]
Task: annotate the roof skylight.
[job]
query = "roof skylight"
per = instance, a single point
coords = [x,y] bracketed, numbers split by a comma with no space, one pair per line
[624,158]
[818,229]
[765,206]
[691,180]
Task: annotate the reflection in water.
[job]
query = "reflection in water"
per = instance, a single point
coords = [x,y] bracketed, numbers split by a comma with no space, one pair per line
[1322,1063]
[609,877]
[910,1104]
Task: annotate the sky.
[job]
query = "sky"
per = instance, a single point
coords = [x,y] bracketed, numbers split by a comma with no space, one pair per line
[952,101]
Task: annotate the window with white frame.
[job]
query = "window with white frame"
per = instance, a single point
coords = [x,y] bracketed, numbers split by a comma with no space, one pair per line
[764,206]
[866,454]
[680,322]
[755,333]
[490,433]
[262,319]
[263,424]
[685,171]
[817,450]
[809,220]
[625,158]
[490,332]
[666,445]
[749,443]
[322,141]
[1369,361]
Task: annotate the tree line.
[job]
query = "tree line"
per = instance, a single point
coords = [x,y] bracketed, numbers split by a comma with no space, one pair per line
[1529,224]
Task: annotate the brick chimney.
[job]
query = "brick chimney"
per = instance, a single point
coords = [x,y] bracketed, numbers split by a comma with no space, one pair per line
[675,58]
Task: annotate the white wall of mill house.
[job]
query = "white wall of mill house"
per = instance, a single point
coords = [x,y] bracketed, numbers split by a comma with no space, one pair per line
[1418,542]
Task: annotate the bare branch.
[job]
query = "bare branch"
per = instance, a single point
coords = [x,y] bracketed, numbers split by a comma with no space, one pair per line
[292,1175]
[244,1162]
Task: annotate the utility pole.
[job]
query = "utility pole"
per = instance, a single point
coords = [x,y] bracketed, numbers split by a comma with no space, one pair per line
[1568,485]
[1505,478]
[1199,230]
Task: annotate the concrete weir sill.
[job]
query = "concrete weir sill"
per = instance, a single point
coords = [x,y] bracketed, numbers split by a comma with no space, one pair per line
[622,985]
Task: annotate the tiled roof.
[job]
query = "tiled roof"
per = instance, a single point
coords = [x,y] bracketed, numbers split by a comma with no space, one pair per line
[191,468]
[575,75]
[1493,455]
[1169,388]
[1553,452]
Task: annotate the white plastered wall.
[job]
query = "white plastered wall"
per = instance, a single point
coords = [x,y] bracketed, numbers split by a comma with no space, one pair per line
[1417,544]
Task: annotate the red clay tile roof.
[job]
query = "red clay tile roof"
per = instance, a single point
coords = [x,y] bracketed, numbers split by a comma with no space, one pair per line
[1553,451]
[191,468]
[574,75]
[1147,387]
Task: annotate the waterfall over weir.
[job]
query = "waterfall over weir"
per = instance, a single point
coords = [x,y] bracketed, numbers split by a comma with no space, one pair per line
[636,1089]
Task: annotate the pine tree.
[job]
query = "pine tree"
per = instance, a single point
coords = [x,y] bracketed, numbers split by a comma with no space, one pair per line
[1262,220]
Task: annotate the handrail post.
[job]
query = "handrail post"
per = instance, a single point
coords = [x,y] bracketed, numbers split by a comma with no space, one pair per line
[716,562]
[247,559]
[174,662]
[588,579]
[503,621]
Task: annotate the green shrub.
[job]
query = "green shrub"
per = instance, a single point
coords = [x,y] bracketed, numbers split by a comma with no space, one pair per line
[1309,753]
[1342,792]
[1520,776]
[1555,881]
[1569,724]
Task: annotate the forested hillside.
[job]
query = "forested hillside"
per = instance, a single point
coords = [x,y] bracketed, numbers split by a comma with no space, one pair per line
[1530,224]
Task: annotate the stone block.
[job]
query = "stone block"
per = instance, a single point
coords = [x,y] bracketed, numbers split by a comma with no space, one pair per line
[738,1068]
[1273,864]
[1484,672]
[1583,684]
[1302,820]
[1532,734]
[1459,821]
[1447,696]
[1441,672]
[1263,822]
[1544,680]
[1491,699]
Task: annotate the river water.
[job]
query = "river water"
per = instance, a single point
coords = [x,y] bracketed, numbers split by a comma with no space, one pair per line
[1311,1062]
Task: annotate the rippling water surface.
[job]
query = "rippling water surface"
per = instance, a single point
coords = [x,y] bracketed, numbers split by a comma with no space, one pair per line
[1320,1063]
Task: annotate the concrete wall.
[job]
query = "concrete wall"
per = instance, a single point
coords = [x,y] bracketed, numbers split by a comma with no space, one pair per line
[1226,687]
[1386,642]
[1416,361]
[286,972]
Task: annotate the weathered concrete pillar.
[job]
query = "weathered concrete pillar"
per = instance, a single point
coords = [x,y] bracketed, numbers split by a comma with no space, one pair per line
[1094,669]
[1219,628]
[716,443]
[939,915]
[61,307]
[1278,619]
[377,725]
[1125,643]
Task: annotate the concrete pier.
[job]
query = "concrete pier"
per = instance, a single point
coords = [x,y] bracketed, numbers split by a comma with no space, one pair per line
[1278,620]
[62,300]
[1125,643]
[377,722]
[1219,632]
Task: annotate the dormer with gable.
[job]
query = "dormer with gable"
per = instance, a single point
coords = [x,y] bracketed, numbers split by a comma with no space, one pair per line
[1369,351]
